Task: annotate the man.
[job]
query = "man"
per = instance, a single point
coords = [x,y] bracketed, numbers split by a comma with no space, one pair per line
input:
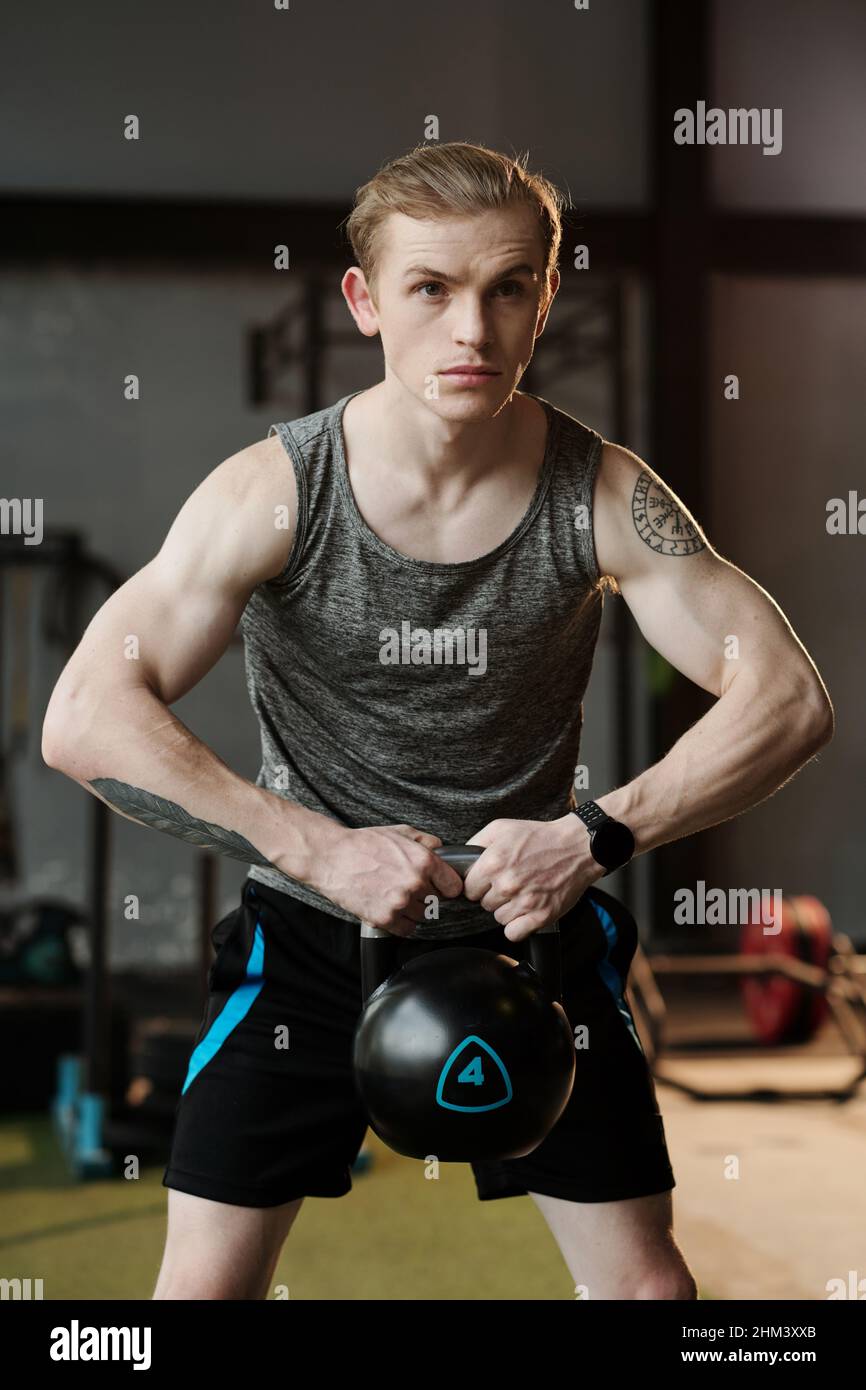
[420,571]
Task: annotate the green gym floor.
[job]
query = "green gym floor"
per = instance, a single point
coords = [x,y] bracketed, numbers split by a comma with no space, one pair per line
[395,1236]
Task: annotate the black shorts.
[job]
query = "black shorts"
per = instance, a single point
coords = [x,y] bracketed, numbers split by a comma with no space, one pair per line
[269,1110]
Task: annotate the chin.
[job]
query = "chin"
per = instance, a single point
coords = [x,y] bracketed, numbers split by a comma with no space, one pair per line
[467,406]
[474,400]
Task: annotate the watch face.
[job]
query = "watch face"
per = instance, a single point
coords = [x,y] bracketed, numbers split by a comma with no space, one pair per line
[613,844]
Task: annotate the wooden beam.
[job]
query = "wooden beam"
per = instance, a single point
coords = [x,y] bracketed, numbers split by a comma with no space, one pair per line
[145,230]
[760,244]
[678,429]
[243,234]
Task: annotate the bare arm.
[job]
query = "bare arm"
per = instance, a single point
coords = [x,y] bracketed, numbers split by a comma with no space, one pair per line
[725,633]
[109,727]
[108,724]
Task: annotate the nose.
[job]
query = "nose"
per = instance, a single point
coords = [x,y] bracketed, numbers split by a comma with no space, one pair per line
[470,325]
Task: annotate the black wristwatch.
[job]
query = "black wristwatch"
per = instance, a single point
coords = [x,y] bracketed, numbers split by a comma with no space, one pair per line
[611,843]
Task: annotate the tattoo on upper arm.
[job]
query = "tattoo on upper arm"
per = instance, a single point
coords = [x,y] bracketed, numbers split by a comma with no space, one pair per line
[661,522]
[165,815]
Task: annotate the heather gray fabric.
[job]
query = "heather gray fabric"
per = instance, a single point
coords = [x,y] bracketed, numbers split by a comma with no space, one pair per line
[393,690]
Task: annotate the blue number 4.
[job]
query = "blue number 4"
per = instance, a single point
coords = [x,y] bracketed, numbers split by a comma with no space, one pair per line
[473,1073]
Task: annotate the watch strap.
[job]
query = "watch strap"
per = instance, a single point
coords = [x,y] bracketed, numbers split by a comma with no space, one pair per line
[591,814]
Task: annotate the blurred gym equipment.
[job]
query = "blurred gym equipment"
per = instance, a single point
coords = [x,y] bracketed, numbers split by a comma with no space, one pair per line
[791,980]
[111,1083]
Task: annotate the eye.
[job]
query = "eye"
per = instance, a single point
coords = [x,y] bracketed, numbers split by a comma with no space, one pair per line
[437,284]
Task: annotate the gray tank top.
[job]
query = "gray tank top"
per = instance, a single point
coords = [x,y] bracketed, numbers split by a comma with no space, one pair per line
[391,690]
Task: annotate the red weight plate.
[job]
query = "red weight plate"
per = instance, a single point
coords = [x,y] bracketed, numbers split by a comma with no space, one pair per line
[780,1010]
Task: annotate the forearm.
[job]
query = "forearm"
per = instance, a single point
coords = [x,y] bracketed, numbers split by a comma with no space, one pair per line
[130,750]
[743,749]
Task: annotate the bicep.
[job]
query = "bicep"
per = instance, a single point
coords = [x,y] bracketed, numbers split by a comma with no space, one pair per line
[709,620]
[183,623]
[705,616]
[169,624]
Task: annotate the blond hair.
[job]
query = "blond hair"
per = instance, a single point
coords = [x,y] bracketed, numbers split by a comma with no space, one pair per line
[458,178]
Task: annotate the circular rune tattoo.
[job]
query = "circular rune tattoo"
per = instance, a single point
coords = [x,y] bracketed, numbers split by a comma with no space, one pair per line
[660,522]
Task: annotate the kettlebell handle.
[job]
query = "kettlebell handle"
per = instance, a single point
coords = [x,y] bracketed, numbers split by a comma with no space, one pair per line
[377,945]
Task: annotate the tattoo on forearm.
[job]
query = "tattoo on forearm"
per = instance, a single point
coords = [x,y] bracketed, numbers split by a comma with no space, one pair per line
[165,815]
[660,520]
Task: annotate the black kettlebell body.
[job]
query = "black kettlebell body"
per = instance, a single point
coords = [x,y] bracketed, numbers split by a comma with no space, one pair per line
[463,1053]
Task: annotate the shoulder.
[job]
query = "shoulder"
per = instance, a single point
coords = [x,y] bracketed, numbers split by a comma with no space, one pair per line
[302,434]
[618,471]
[247,507]
[256,476]
[256,465]
[637,515]
[626,484]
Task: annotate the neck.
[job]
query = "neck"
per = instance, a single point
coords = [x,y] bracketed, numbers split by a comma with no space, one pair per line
[439,450]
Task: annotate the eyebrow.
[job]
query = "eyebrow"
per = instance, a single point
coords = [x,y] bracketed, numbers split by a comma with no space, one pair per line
[523,268]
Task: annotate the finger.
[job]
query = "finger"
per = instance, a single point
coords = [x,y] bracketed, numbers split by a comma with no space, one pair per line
[445,879]
[478,879]
[479,885]
[492,900]
[522,927]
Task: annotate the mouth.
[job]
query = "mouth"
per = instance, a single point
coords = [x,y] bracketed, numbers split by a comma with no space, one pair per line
[470,374]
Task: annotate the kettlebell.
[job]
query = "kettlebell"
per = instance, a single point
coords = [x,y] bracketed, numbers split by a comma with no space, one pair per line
[462,1053]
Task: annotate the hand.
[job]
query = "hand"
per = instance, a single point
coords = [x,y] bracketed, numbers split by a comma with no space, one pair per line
[531,872]
[384,873]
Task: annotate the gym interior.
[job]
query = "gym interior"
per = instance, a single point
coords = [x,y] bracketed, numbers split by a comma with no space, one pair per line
[154,161]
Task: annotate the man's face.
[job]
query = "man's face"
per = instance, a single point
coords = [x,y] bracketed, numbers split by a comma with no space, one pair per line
[458,291]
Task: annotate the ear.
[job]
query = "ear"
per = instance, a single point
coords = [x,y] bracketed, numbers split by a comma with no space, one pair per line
[359,298]
[542,316]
